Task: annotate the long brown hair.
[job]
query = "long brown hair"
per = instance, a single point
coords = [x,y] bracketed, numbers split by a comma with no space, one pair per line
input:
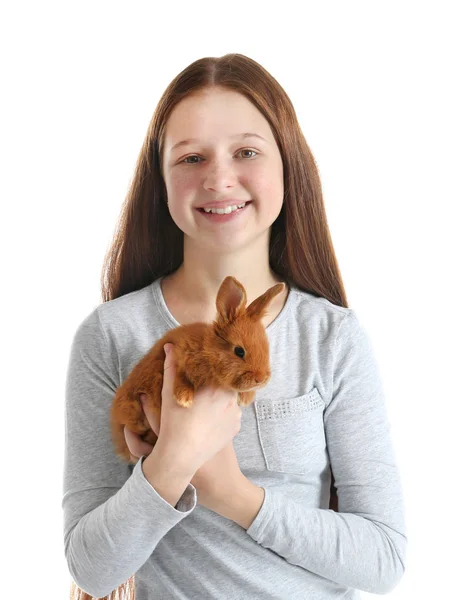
[148,244]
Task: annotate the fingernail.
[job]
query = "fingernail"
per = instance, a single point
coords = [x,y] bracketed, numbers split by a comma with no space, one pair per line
[143,398]
[167,349]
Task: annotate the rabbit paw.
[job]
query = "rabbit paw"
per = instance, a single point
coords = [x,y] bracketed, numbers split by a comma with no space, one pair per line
[184,397]
[245,398]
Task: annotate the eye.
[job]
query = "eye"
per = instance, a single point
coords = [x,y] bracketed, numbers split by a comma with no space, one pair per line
[239,351]
[196,156]
[248,150]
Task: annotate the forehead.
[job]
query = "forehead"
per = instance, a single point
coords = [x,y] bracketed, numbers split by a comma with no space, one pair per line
[216,114]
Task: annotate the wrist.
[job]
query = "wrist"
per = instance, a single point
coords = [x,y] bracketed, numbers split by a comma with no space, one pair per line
[164,479]
[171,461]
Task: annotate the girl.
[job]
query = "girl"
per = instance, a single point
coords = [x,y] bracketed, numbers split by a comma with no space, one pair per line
[230,501]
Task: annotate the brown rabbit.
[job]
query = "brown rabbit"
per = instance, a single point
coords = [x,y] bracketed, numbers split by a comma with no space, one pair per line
[231,353]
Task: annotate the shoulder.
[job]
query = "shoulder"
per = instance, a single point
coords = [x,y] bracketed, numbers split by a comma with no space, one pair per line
[328,325]
[318,313]
[128,306]
[116,317]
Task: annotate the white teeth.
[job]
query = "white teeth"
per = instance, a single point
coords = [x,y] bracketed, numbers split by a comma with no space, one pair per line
[224,211]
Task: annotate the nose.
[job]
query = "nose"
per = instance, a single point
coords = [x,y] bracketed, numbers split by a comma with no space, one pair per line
[262,377]
[220,175]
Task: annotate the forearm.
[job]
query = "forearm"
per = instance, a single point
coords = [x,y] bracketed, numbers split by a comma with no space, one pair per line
[366,554]
[134,517]
[243,505]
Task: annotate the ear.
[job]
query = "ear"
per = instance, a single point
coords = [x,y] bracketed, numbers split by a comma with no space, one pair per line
[257,308]
[231,299]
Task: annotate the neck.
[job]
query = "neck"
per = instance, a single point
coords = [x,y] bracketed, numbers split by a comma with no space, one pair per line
[203,270]
[201,288]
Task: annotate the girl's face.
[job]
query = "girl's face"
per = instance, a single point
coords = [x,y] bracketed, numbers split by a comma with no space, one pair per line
[219,164]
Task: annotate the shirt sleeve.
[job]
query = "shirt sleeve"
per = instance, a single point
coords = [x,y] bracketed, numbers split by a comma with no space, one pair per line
[108,505]
[362,546]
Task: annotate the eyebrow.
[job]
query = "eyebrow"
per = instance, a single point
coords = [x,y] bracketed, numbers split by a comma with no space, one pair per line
[240,135]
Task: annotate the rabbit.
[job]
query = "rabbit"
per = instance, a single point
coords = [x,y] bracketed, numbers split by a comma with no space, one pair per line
[232,352]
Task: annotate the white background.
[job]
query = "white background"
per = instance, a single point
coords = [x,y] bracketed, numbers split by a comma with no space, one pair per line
[377,87]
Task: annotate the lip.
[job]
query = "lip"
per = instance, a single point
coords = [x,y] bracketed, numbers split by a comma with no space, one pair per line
[223,204]
[225,218]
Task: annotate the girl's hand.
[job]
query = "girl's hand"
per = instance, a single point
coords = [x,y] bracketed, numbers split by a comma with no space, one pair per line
[214,482]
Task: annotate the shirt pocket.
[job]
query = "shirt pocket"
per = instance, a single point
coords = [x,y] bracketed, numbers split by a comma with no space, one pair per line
[291,432]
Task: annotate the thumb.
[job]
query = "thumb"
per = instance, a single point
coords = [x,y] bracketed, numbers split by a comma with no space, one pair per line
[152,417]
[169,372]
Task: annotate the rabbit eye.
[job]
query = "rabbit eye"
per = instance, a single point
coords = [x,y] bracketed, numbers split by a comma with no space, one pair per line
[239,351]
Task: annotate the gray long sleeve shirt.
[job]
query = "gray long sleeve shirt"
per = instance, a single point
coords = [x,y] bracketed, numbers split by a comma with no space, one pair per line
[323,405]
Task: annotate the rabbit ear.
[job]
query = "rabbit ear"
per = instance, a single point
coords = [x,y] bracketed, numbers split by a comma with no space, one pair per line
[257,308]
[231,299]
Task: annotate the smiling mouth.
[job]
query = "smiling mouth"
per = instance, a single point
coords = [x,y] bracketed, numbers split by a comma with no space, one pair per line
[238,209]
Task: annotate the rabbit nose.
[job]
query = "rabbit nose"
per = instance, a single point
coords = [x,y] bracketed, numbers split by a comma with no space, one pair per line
[262,377]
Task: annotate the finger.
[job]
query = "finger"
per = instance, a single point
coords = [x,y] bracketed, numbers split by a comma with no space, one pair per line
[137,447]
